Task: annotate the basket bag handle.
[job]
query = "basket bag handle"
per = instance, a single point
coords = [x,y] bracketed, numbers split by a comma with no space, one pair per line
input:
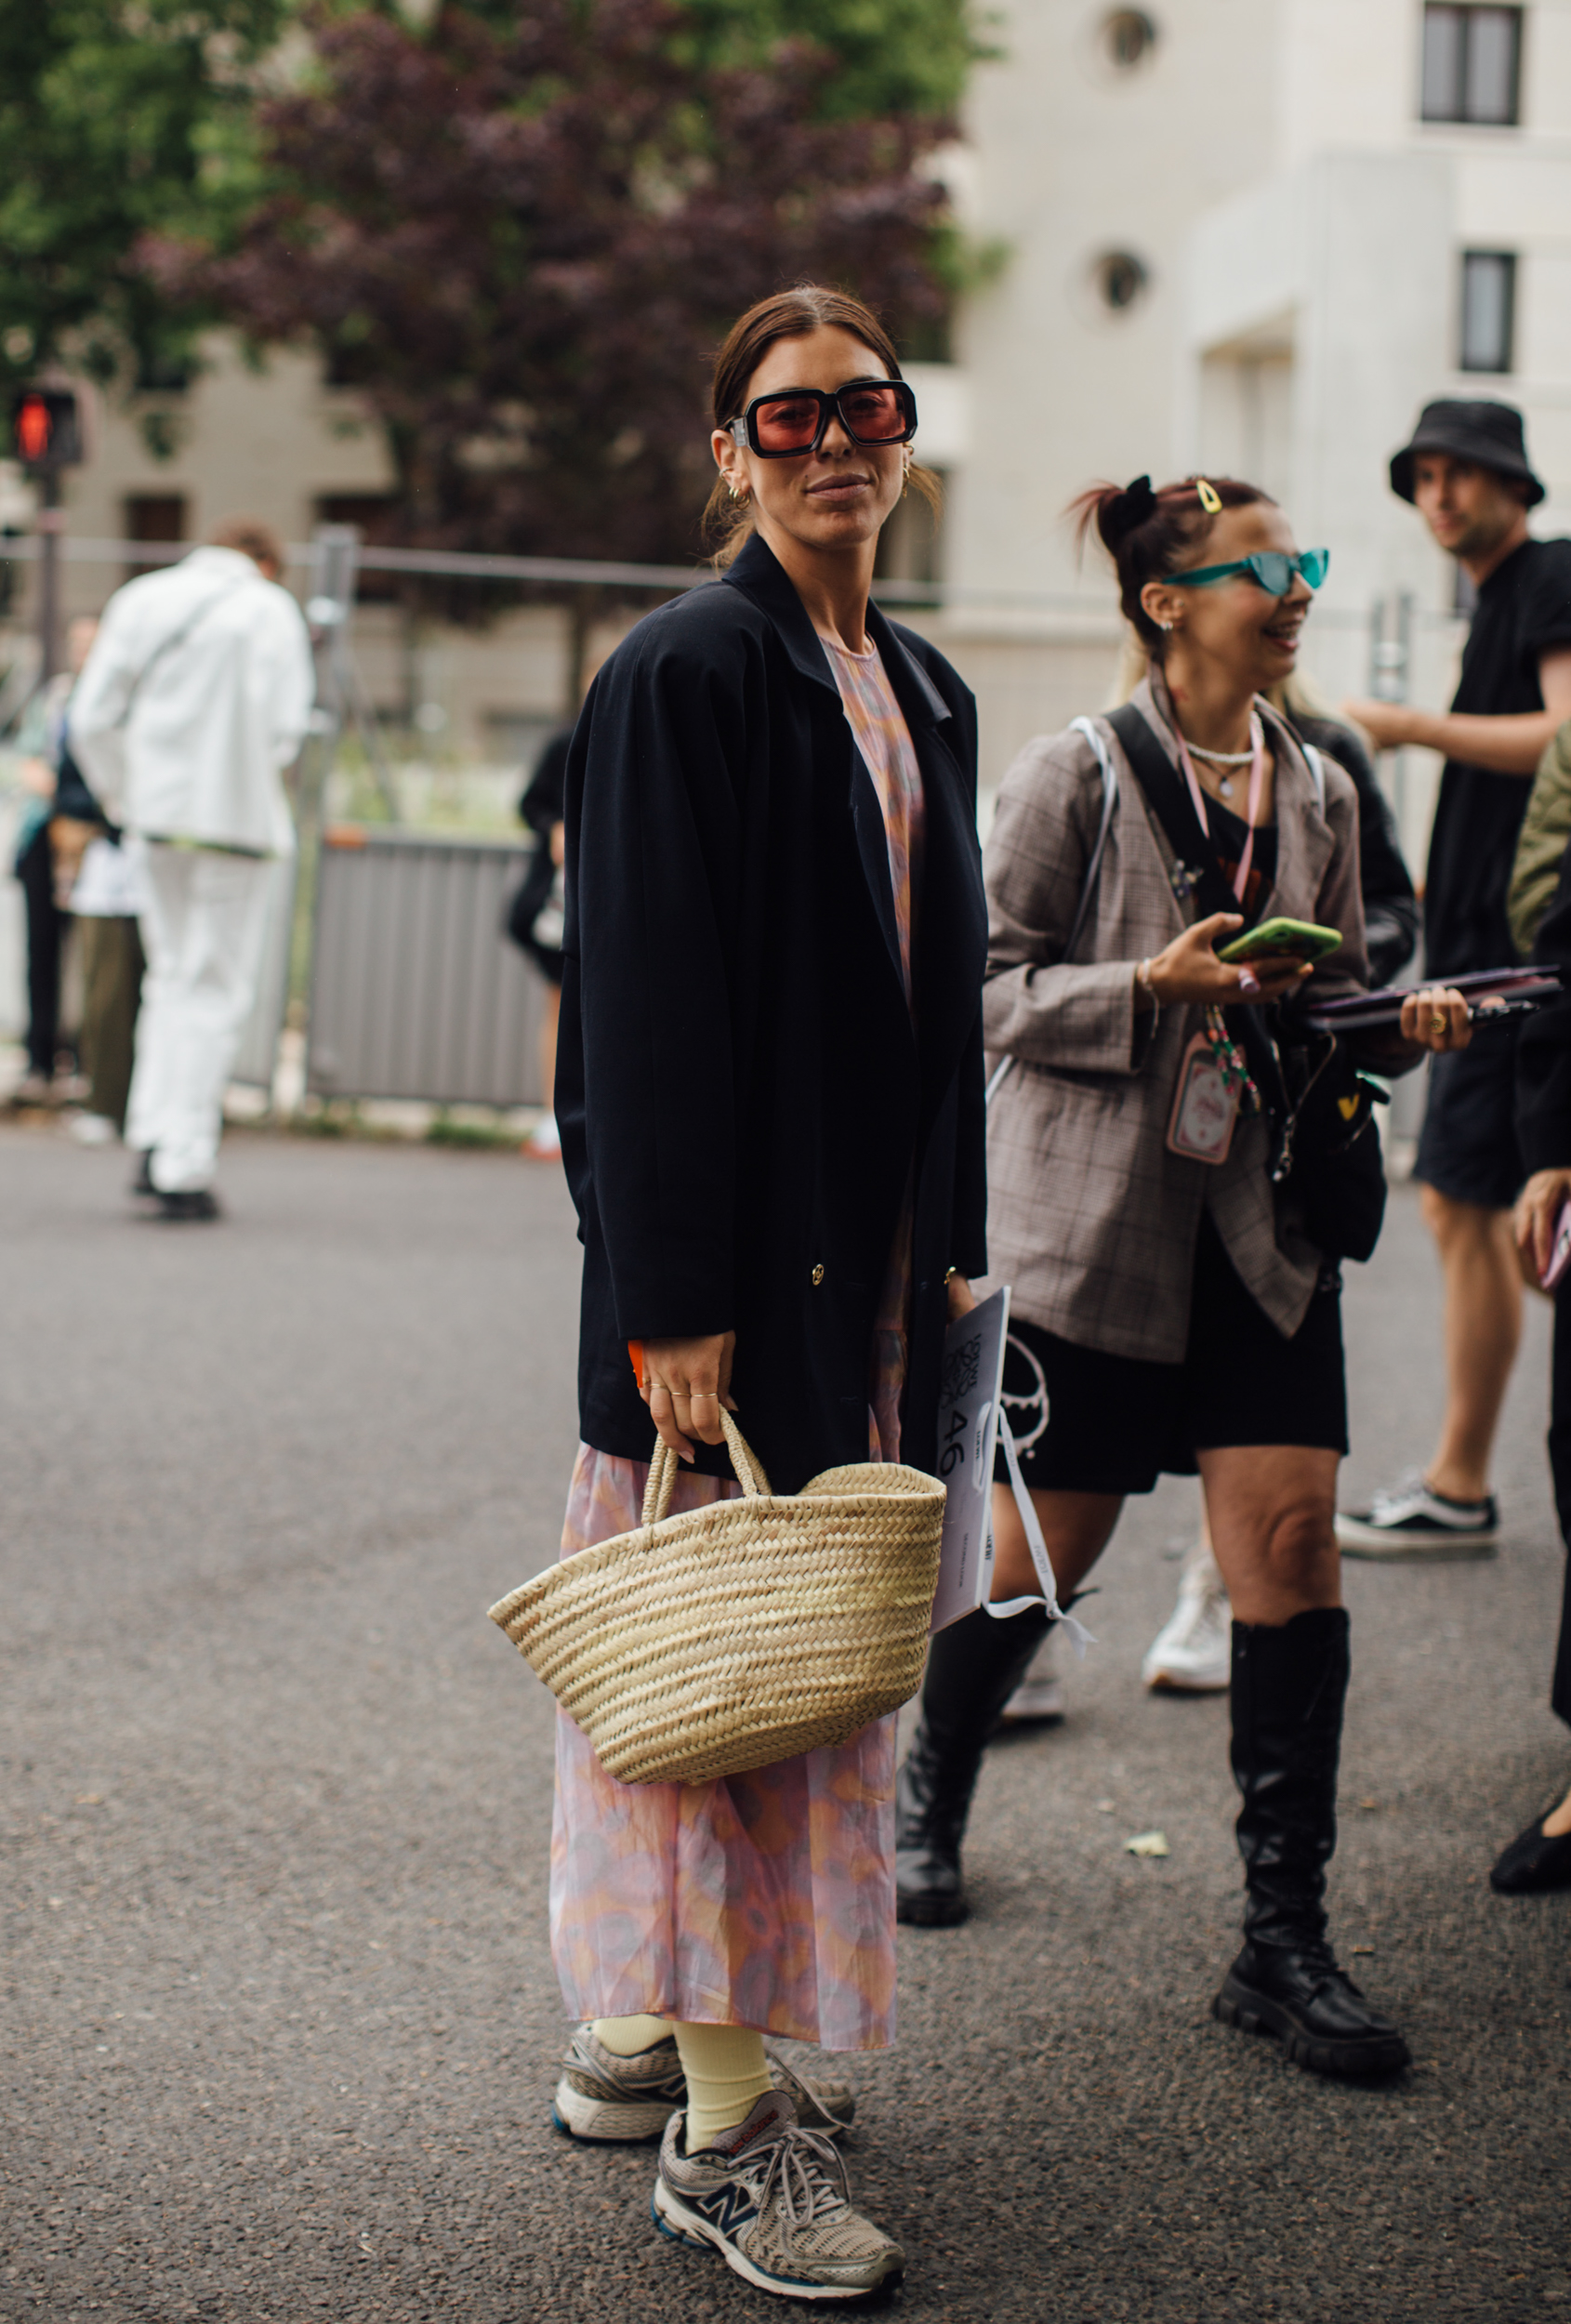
[663,1468]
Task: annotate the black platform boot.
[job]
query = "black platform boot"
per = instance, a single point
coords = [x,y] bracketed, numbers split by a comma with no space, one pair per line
[1288,1688]
[973,1668]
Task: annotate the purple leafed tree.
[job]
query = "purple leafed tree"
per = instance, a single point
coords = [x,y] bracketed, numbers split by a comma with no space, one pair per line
[520,239]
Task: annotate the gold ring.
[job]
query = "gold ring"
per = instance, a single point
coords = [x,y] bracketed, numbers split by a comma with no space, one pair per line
[1439,1022]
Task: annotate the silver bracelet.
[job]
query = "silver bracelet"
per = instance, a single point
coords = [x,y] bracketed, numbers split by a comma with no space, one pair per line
[1142,978]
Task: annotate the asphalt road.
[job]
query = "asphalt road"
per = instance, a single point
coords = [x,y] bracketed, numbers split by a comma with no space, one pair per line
[278,2021]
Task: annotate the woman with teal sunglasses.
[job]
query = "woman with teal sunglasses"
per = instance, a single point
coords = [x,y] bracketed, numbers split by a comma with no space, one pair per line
[1272,568]
[1175,1302]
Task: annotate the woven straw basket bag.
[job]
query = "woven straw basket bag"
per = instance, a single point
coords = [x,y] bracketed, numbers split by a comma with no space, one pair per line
[735,1635]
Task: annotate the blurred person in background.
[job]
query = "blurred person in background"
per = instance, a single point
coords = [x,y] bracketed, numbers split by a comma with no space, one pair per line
[1540,847]
[536,919]
[1539,1858]
[771,1098]
[53,788]
[194,701]
[1465,471]
[1193,1653]
[1179,1303]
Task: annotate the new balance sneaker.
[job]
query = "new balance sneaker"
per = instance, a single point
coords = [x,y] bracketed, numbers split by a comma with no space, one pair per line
[1037,1701]
[1411,1520]
[612,2101]
[1194,1653]
[772,2198]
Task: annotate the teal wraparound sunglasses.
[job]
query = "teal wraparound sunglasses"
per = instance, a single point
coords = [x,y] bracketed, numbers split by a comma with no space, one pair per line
[1272,568]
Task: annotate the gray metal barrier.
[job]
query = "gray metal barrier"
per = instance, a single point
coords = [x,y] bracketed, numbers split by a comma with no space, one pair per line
[416,991]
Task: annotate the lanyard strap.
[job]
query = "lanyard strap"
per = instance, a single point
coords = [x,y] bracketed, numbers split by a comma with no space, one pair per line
[1257,785]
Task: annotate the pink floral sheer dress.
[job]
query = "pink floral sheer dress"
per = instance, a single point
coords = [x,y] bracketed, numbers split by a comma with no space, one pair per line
[765,1900]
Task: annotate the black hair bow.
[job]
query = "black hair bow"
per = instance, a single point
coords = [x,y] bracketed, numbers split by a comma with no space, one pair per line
[1136,503]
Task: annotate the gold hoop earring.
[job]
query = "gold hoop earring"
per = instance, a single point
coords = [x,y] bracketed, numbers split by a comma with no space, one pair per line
[905,477]
[734,494]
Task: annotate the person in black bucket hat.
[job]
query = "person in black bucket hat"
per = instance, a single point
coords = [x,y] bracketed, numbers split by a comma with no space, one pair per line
[1466,472]
[1479,435]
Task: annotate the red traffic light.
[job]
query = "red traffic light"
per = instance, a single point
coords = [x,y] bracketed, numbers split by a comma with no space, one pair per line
[45,429]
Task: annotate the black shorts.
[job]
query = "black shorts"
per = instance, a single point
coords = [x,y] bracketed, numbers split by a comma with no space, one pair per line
[1468,1148]
[1114,1423]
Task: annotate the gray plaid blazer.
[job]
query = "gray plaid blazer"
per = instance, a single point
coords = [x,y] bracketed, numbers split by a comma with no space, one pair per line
[1089,1217]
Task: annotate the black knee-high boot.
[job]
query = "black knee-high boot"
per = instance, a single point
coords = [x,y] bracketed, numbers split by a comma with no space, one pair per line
[1289,1684]
[973,1668]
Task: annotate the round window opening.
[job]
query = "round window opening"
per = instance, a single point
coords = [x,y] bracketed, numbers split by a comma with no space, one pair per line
[1129,36]
[1120,278]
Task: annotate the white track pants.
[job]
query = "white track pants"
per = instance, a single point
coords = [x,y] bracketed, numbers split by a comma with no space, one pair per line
[205,932]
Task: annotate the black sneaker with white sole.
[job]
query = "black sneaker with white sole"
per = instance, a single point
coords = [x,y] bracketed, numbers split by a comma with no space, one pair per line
[1411,1520]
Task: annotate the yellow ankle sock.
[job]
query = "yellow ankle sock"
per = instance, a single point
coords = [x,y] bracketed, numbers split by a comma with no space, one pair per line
[727,2072]
[625,2036]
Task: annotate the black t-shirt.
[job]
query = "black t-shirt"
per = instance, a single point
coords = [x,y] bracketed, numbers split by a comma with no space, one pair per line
[1229,833]
[1524,612]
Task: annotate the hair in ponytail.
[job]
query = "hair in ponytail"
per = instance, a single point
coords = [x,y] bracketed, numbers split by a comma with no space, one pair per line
[1150,533]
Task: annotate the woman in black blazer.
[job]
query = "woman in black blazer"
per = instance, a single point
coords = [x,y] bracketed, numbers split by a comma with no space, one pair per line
[770,1095]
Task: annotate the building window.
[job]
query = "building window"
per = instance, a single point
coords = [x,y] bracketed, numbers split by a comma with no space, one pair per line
[153,517]
[1472,64]
[378,519]
[1489,301]
[1128,38]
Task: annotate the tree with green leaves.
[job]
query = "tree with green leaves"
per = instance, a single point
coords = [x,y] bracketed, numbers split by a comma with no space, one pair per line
[118,118]
[521,230]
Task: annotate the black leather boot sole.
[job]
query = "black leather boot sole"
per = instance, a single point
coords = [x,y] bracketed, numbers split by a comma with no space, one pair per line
[1314,2011]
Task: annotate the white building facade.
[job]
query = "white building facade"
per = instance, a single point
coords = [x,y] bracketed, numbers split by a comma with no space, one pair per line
[1255,237]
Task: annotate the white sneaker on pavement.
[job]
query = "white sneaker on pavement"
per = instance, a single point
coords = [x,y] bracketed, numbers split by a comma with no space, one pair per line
[1411,1520]
[773,2200]
[1194,1653]
[1039,1699]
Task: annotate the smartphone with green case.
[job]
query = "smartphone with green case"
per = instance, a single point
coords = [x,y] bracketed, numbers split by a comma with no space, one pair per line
[1293,940]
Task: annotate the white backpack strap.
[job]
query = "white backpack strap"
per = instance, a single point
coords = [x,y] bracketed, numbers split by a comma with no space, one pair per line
[1093,869]
[1109,801]
[1317,769]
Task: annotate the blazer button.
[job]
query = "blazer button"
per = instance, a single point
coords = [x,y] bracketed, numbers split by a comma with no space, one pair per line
[818,1275]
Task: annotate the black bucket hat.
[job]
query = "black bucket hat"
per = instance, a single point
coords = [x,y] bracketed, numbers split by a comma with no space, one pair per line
[1489,435]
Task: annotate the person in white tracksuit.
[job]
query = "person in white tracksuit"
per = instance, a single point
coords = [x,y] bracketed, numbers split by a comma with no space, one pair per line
[194,701]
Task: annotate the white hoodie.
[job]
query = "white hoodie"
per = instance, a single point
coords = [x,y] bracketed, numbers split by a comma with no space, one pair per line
[195,698]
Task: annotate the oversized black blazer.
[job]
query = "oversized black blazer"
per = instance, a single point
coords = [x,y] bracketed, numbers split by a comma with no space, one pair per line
[741,1089]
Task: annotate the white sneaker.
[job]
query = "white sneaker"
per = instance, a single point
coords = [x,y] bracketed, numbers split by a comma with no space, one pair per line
[1194,1653]
[1039,1699]
[93,1130]
[543,1144]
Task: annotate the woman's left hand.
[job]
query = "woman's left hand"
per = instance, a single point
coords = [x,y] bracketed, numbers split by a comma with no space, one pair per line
[1533,1222]
[1436,1018]
[962,1299]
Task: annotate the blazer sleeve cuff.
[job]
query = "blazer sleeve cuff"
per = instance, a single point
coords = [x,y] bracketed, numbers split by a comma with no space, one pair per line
[1081,1018]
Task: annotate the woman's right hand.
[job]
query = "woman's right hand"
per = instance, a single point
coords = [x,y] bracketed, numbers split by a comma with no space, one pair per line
[684,1384]
[1187,970]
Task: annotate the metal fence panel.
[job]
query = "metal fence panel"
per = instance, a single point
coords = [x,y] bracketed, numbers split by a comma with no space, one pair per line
[258,1057]
[416,991]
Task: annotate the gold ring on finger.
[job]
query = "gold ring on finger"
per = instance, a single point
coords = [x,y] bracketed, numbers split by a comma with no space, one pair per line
[1439,1022]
